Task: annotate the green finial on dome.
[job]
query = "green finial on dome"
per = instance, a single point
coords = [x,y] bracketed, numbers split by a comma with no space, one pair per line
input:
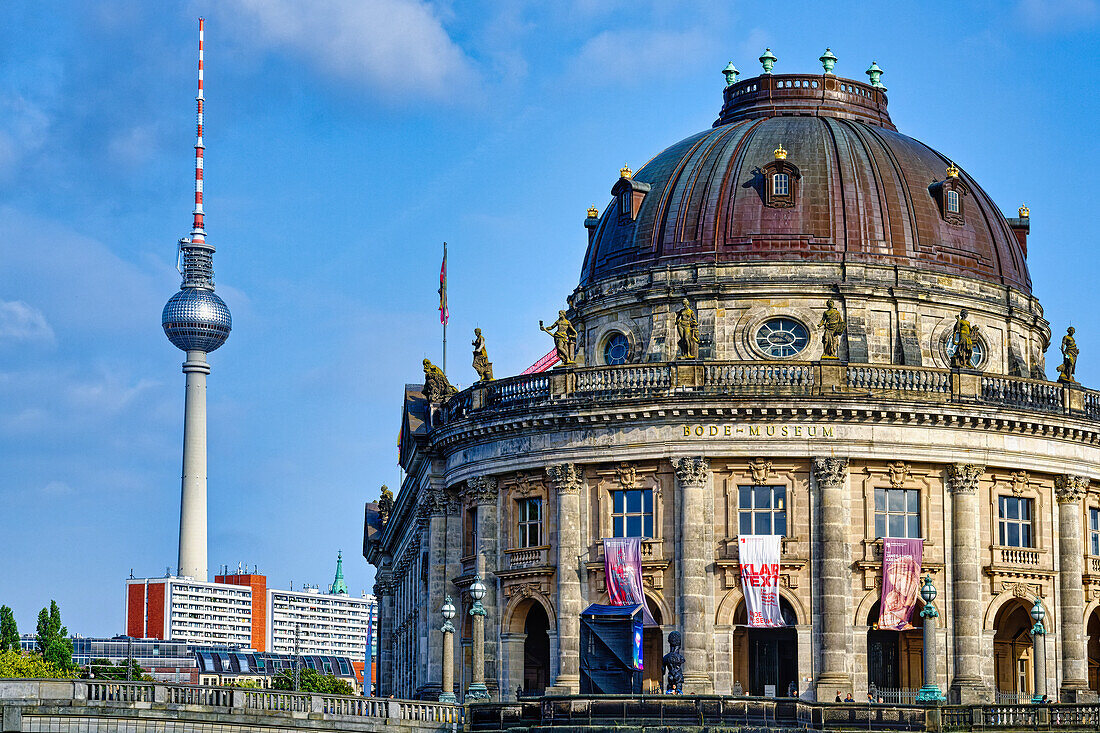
[731,73]
[828,61]
[767,60]
[875,73]
[339,587]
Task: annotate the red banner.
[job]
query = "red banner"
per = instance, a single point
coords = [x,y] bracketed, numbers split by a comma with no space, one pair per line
[622,565]
[901,559]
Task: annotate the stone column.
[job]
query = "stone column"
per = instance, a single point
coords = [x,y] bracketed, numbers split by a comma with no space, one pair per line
[453,555]
[1069,490]
[831,478]
[447,687]
[384,591]
[434,506]
[695,558]
[566,480]
[512,644]
[966,620]
[1039,662]
[478,689]
[483,491]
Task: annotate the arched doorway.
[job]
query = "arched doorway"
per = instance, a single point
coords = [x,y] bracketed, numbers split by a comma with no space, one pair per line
[1012,648]
[536,650]
[653,652]
[1092,629]
[895,658]
[765,661]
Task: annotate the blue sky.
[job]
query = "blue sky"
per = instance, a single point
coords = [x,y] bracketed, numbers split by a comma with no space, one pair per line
[344,144]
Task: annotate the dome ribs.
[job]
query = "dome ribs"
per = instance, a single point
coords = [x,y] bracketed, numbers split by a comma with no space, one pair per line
[727,194]
[901,234]
[699,214]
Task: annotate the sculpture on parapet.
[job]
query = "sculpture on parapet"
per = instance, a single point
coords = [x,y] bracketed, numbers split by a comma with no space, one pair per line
[385,504]
[673,665]
[1069,357]
[436,386]
[832,326]
[565,339]
[963,340]
[482,365]
[687,327]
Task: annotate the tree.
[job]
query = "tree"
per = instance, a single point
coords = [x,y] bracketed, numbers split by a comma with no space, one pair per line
[310,680]
[53,639]
[103,669]
[9,632]
[16,665]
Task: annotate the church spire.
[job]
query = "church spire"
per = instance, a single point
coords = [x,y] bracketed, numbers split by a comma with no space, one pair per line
[339,587]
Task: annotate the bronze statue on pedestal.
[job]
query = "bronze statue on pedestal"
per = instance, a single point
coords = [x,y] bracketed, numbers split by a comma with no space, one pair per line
[482,365]
[832,326]
[436,386]
[963,339]
[1069,357]
[565,339]
[687,326]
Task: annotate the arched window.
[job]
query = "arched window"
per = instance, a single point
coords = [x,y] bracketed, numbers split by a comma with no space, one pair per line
[616,350]
[780,184]
[953,202]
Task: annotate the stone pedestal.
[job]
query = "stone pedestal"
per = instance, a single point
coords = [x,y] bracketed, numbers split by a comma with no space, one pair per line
[831,478]
[447,686]
[512,646]
[482,490]
[1069,490]
[566,481]
[695,557]
[962,483]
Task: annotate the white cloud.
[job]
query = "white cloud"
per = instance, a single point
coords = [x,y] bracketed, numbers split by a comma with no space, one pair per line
[397,47]
[1049,15]
[22,322]
[634,56]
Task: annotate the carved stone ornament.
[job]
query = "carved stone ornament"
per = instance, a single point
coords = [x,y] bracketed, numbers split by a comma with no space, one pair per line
[566,477]
[627,475]
[691,471]
[436,386]
[481,489]
[962,478]
[1020,482]
[526,484]
[899,471]
[1069,488]
[830,472]
[761,470]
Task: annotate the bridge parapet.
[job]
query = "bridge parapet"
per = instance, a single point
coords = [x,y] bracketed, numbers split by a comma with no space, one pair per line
[27,703]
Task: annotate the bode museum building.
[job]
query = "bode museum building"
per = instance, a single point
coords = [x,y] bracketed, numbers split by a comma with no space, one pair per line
[798,322]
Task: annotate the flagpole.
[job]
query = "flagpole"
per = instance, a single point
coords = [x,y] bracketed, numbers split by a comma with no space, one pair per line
[444,319]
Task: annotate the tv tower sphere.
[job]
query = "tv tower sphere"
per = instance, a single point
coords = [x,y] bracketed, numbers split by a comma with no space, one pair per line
[196,320]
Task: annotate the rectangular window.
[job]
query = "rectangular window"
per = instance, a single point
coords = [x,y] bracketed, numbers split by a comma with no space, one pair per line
[779,184]
[1015,522]
[897,513]
[1094,530]
[632,513]
[953,202]
[762,510]
[470,541]
[530,522]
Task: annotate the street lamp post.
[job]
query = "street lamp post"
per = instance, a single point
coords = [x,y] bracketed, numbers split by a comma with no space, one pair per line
[448,629]
[477,689]
[1038,635]
[930,692]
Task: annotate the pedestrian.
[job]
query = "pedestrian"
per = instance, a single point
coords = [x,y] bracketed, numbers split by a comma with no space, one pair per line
[838,697]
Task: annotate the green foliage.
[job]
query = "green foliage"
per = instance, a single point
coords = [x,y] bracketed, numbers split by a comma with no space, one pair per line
[247,684]
[9,632]
[102,669]
[53,639]
[312,681]
[16,665]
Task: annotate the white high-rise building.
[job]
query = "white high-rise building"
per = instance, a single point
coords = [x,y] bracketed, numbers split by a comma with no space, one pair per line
[188,610]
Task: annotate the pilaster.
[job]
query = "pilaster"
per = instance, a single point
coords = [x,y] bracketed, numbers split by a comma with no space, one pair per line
[482,491]
[695,558]
[962,481]
[435,505]
[831,479]
[566,481]
[1069,490]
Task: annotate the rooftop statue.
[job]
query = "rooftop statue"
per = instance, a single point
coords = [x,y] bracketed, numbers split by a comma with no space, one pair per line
[1069,357]
[565,339]
[963,339]
[482,365]
[385,504]
[687,326]
[436,386]
[832,326]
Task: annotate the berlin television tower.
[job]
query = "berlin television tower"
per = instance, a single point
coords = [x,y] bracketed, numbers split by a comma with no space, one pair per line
[196,321]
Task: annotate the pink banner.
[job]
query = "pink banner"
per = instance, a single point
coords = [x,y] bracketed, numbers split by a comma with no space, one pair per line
[901,559]
[758,557]
[622,565]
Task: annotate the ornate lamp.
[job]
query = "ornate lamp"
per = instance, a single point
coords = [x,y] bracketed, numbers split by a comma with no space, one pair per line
[828,61]
[875,74]
[477,590]
[477,689]
[930,691]
[1038,635]
[767,60]
[731,73]
[447,694]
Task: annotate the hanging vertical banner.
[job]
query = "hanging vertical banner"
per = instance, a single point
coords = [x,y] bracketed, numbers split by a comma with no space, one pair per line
[901,559]
[622,566]
[758,556]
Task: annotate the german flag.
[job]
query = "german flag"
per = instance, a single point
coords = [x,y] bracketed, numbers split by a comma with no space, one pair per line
[444,314]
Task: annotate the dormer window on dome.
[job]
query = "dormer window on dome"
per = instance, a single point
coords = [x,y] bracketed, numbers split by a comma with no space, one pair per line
[780,181]
[949,195]
[629,193]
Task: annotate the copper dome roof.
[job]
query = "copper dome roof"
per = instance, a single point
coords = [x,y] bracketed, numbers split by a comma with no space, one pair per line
[865,193]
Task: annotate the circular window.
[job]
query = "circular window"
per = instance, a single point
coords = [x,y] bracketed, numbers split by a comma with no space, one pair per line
[781,338]
[616,349]
[977,354]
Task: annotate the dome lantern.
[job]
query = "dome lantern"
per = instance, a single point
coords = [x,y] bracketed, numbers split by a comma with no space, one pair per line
[731,73]
[828,61]
[767,60]
[875,75]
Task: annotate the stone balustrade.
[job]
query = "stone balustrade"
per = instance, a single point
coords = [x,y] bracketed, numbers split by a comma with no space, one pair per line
[757,379]
[527,557]
[1025,556]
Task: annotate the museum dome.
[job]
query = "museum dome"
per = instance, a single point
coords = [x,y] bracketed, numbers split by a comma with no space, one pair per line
[850,189]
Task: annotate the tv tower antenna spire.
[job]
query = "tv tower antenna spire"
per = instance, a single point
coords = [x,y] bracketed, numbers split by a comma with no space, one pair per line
[197,322]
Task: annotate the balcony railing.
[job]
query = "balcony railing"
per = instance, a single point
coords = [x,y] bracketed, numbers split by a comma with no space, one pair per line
[527,557]
[754,379]
[1026,556]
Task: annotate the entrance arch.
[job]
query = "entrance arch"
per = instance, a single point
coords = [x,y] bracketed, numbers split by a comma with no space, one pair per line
[1092,630]
[653,651]
[765,661]
[531,656]
[1012,647]
[895,658]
